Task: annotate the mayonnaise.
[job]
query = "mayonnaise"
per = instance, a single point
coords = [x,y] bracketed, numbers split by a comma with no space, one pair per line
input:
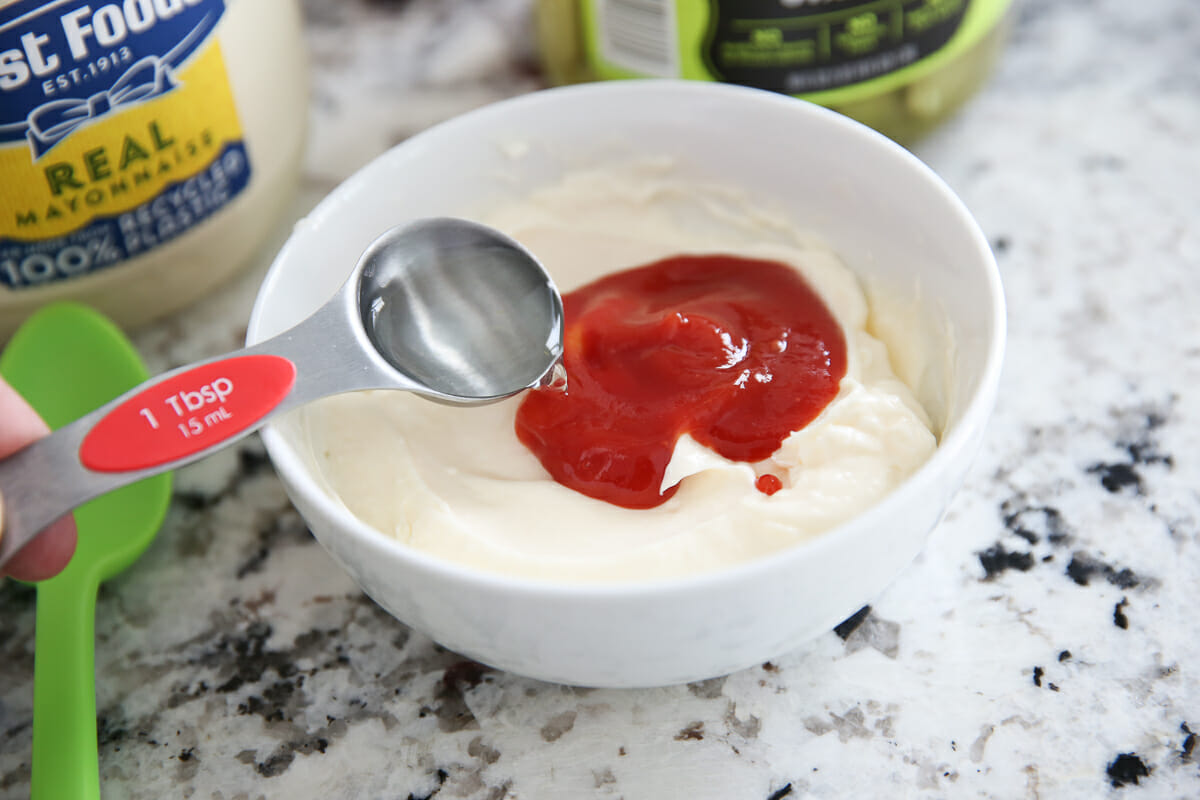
[458,484]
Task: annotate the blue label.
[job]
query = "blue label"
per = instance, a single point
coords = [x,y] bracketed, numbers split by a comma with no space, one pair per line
[64,65]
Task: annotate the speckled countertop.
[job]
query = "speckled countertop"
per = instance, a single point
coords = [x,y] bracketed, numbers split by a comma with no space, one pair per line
[1045,645]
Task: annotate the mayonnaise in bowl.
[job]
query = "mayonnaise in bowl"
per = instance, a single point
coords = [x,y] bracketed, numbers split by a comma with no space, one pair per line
[458,483]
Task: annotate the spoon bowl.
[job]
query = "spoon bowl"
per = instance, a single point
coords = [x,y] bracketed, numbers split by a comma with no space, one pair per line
[507,324]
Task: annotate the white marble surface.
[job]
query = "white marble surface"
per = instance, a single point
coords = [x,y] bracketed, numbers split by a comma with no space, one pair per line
[1045,645]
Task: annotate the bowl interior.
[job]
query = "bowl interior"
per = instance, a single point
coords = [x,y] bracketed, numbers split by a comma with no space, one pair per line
[917,250]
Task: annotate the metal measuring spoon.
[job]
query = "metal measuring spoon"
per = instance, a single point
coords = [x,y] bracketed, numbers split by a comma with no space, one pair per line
[450,309]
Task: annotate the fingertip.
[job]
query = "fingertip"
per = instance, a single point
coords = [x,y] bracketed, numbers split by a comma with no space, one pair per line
[45,555]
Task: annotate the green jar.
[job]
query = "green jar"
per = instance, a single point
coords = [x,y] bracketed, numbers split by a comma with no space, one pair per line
[900,66]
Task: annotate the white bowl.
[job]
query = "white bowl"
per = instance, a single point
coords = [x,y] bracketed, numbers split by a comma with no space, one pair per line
[889,217]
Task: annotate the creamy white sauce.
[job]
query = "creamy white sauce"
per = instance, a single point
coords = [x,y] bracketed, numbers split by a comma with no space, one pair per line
[457,483]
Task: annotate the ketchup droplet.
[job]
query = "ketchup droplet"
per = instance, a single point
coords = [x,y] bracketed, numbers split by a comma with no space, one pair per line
[768,484]
[737,352]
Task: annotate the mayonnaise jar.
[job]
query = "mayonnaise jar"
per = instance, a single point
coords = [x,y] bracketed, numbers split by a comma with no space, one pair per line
[147,147]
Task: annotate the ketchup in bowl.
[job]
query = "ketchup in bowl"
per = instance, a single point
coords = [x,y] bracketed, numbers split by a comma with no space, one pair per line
[736,352]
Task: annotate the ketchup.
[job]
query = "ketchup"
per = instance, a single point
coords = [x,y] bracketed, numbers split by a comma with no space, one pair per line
[768,484]
[737,352]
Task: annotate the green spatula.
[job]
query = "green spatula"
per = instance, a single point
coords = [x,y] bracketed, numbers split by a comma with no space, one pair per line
[67,360]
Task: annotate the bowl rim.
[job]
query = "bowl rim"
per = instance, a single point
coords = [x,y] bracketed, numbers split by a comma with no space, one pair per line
[951,445]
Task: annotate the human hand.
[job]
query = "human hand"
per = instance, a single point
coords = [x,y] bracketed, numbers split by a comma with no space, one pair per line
[47,554]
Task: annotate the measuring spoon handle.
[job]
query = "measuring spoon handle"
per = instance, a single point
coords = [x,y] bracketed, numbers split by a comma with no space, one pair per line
[176,418]
[163,423]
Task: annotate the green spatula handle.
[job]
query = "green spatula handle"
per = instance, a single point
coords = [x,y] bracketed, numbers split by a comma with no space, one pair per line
[65,761]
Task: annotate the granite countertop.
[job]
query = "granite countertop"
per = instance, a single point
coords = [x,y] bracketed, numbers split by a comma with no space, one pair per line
[1045,644]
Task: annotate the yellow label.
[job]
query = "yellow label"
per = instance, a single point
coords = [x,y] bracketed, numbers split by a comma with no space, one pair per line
[116,164]
[120,149]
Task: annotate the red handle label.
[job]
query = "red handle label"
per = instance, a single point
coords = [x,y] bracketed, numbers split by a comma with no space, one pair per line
[187,413]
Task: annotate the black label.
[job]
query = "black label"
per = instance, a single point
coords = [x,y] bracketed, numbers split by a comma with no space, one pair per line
[823,44]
